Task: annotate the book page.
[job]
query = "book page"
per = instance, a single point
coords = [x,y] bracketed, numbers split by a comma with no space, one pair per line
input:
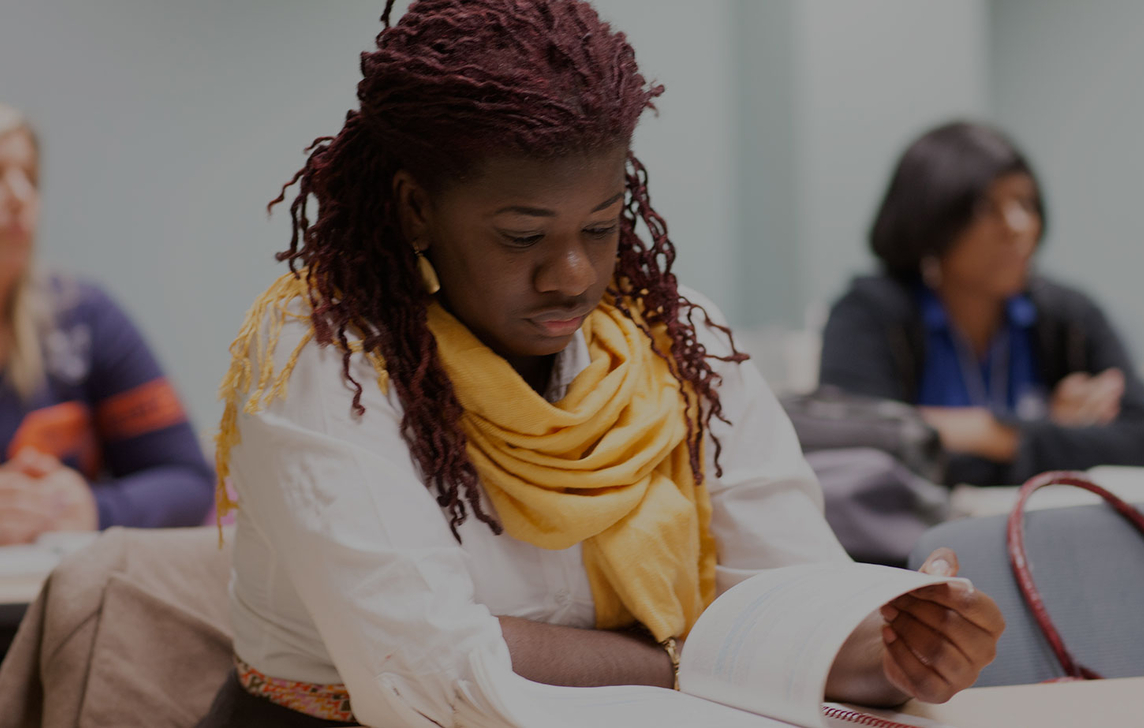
[772,638]
[766,645]
[548,706]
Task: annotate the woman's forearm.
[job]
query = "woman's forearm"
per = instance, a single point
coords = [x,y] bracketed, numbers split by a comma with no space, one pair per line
[557,655]
[163,496]
[973,431]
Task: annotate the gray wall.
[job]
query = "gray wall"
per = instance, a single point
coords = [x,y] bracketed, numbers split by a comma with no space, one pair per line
[168,125]
[688,147]
[832,92]
[1066,82]
[871,76]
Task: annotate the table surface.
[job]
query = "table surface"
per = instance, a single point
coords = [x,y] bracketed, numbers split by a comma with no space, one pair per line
[1097,703]
[21,589]
[1124,482]
[25,568]
[1103,703]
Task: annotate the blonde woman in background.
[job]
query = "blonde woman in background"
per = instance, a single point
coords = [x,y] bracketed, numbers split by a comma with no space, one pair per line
[91,433]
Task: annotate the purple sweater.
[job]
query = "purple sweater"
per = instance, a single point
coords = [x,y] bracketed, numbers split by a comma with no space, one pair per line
[108,411]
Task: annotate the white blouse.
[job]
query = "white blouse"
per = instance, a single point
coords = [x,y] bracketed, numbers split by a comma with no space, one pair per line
[345,569]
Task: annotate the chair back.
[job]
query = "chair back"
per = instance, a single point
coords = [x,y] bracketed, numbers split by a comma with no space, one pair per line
[1088,562]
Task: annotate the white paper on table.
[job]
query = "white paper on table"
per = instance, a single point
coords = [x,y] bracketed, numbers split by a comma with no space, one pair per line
[41,557]
[26,560]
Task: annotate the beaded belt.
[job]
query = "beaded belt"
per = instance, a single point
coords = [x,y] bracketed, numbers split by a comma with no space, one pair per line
[329,702]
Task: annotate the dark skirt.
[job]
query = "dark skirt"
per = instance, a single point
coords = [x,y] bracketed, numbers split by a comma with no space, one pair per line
[235,708]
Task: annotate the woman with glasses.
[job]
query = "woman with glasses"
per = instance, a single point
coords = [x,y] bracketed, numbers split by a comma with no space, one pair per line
[1018,374]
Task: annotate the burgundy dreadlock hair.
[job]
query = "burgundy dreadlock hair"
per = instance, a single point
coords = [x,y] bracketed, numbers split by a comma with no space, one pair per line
[452,82]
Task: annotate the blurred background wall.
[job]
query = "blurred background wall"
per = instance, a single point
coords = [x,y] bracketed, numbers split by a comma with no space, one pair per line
[1066,78]
[168,125]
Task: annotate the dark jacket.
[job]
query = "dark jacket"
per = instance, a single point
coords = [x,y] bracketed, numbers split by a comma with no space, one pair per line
[875,344]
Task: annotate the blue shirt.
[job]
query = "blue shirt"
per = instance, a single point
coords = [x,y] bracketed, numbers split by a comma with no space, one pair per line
[1007,381]
[107,411]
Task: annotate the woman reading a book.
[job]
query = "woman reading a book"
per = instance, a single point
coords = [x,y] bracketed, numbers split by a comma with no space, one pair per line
[479,423]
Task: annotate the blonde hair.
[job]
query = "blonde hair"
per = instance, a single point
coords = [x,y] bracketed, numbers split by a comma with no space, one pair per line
[27,310]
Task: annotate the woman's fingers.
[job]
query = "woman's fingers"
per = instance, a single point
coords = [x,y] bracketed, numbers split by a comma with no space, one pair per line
[1103,402]
[976,644]
[973,605]
[1082,400]
[35,463]
[22,520]
[932,652]
[936,650]
[939,637]
[942,562]
[18,490]
[909,674]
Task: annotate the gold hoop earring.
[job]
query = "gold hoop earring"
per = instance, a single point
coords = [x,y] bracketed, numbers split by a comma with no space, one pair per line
[428,275]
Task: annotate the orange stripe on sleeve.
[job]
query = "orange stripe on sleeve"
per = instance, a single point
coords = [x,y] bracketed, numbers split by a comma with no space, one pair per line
[63,430]
[146,408]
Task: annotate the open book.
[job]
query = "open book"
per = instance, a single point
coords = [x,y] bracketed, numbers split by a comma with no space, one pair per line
[758,656]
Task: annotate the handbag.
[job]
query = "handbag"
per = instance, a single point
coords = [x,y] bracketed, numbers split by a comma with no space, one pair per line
[1015,541]
[880,465]
[831,418]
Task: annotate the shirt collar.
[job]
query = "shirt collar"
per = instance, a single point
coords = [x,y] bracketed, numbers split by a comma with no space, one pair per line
[569,363]
[1021,311]
[933,312]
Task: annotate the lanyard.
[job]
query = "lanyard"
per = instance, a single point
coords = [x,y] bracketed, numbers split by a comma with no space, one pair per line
[996,396]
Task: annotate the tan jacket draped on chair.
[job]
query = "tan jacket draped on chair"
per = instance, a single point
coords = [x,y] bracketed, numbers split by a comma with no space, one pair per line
[134,631]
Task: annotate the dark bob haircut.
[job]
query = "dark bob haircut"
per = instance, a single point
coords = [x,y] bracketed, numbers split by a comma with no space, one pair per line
[937,185]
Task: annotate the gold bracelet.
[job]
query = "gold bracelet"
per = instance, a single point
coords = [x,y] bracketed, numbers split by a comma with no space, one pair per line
[669,645]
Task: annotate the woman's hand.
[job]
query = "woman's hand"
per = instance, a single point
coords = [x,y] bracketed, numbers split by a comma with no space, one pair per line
[23,514]
[973,431]
[38,493]
[938,638]
[1083,400]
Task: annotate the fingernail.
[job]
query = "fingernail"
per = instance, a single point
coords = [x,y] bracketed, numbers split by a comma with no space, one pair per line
[940,567]
[890,613]
[889,636]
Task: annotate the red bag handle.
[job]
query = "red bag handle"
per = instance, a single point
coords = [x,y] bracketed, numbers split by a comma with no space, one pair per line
[1015,535]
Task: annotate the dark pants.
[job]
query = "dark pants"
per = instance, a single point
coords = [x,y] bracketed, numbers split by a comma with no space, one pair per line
[7,634]
[235,708]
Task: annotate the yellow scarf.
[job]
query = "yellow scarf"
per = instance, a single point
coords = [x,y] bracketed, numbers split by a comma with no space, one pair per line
[607,466]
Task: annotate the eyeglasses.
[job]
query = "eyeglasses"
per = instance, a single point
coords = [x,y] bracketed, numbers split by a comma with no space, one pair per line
[1018,213]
